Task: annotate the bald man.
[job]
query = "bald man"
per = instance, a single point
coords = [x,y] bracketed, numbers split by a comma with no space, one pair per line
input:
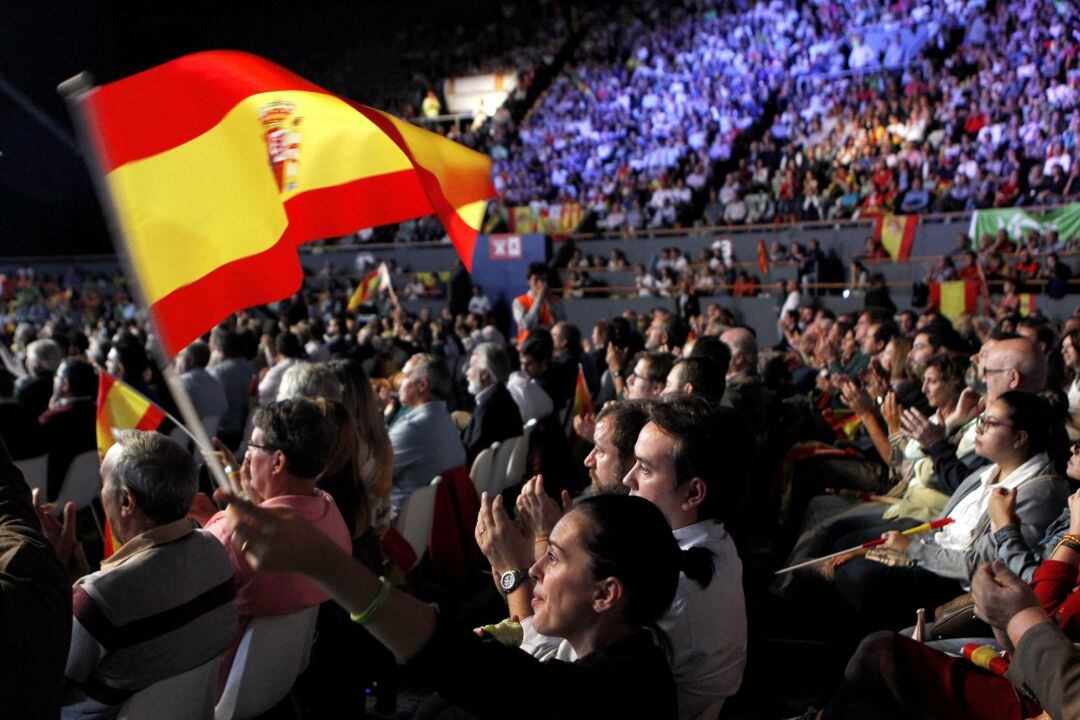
[744,391]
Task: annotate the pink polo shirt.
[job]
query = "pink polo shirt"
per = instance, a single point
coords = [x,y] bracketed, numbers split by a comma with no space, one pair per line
[260,593]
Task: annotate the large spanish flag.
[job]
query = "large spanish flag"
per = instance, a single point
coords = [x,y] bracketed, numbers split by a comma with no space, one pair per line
[955,297]
[896,233]
[221,163]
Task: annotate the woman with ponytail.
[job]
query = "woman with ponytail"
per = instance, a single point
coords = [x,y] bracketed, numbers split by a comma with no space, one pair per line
[690,461]
[609,570]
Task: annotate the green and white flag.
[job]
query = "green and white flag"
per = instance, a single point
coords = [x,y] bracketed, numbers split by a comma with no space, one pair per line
[1017,222]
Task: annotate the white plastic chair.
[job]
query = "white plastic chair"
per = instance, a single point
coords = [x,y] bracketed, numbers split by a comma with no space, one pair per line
[501,464]
[482,467]
[272,653]
[416,515]
[82,482]
[187,696]
[36,472]
[515,469]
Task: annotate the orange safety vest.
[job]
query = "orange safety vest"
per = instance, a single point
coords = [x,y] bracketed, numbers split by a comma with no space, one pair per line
[546,318]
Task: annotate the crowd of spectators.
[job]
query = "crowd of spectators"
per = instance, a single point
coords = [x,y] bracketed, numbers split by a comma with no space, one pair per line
[959,107]
[737,451]
[339,423]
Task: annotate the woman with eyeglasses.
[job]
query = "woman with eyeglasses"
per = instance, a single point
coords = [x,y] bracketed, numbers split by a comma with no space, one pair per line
[1014,434]
[891,676]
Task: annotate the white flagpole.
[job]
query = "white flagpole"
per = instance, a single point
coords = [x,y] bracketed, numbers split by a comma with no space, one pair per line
[75,91]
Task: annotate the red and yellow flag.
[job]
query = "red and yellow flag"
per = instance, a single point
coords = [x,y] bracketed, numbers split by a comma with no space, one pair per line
[762,258]
[583,404]
[1027,304]
[221,163]
[121,407]
[955,297]
[896,233]
[370,284]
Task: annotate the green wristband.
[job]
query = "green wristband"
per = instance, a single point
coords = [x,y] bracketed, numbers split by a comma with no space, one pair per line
[376,604]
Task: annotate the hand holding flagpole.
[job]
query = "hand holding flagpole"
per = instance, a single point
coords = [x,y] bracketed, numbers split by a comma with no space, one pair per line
[935,525]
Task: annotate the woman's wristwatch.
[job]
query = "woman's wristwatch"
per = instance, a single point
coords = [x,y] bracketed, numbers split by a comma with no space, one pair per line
[511,580]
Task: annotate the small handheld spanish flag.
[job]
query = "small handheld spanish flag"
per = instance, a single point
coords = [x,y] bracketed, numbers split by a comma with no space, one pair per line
[583,404]
[121,407]
[370,285]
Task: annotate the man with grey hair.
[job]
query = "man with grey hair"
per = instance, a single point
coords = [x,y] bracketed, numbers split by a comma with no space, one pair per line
[160,605]
[496,416]
[309,380]
[744,391]
[425,439]
[34,390]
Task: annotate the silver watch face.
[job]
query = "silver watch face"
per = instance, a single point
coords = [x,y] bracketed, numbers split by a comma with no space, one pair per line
[508,580]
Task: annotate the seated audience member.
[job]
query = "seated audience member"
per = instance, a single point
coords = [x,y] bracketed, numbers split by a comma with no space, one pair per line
[666,333]
[160,605]
[309,380]
[284,354]
[70,423]
[557,380]
[235,374]
[288,450]
[610,570]
[35,601]
[696,376]
[1014,435]
[425,440]
[34,389]
[206,391]
[612,456]
[892,676]
[648,376]
[533,401]
[128,361]
[376,453]
[18,427]
[744,391]
[496,416]
[675,469]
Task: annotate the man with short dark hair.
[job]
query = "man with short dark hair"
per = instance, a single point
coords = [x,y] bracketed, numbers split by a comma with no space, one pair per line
[163,603]
[206,391]
[696,376]
[234,373]
[70,423]
[649,375]
[616,431]
[676,469]
[537,308]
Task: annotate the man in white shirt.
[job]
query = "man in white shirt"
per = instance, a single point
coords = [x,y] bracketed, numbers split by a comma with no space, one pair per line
[675,469]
